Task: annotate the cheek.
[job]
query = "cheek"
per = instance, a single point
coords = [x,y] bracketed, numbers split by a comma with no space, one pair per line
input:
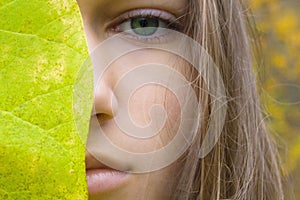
[162,108]
[148,106]
[145,108]
[143,101]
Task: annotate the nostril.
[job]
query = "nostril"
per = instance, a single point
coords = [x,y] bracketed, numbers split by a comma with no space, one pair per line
[103,117]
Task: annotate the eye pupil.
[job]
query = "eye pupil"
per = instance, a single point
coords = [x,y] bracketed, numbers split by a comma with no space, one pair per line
[143,22]
[144,26]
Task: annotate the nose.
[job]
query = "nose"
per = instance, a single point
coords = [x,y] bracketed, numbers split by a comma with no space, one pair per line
[103,100]
[102,111]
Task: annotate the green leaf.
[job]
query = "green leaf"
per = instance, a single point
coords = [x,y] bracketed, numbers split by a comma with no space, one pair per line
[42,49]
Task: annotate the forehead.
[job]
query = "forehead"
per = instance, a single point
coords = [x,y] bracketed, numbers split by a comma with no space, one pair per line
[107,7]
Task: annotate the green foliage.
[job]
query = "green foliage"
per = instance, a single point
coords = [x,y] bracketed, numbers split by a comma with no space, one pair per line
[42,49]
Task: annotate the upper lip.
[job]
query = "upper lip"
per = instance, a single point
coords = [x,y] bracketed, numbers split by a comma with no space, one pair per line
[92,163]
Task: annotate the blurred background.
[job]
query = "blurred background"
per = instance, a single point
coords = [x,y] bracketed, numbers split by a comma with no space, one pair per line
[278,27]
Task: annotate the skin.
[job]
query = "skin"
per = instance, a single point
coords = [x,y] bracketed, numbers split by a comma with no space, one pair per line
[98,16]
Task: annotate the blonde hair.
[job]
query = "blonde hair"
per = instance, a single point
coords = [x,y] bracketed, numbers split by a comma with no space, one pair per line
[244,164]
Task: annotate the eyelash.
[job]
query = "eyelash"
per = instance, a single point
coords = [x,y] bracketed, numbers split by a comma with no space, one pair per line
[165,17]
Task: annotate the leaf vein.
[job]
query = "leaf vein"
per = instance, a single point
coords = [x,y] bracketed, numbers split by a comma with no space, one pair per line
[40,95]
[39,37]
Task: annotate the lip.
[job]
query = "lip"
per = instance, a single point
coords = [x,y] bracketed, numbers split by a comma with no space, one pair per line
[104,180]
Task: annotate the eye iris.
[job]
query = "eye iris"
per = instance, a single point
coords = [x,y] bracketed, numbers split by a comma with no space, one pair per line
[144,26]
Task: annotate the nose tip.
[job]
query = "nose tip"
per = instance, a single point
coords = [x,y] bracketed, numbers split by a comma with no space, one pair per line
[103,101]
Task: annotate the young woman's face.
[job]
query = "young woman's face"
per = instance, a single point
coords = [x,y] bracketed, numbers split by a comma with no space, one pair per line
[102,20]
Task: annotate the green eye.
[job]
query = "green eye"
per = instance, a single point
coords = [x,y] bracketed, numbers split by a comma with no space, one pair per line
[144,26]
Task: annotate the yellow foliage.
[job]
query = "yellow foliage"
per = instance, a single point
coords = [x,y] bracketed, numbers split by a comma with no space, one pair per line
[285,24]
[256,4]
[279,61]
[278,23]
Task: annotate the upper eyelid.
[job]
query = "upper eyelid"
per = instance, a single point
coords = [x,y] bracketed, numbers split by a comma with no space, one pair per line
[150,12]
[163,15]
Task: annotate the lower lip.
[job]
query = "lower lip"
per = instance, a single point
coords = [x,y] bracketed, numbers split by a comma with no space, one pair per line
[103,180]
